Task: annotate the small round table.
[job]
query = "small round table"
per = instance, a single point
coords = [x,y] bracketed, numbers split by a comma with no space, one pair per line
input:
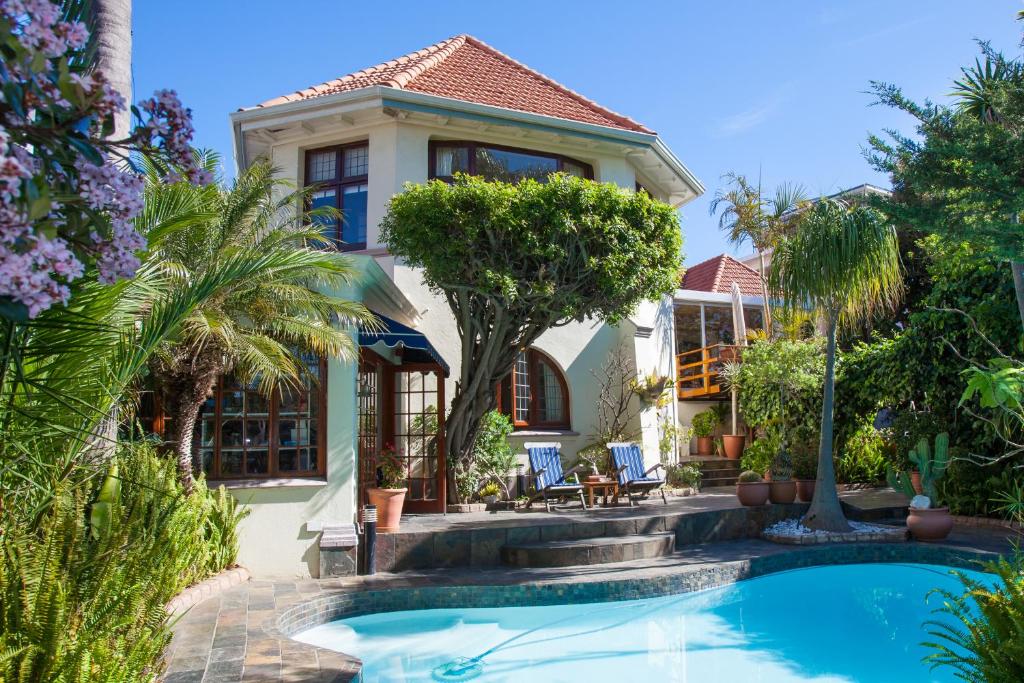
[608,488]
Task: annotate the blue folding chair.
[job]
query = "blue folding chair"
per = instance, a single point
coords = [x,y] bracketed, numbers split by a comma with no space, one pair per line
[549,481]
[628,463]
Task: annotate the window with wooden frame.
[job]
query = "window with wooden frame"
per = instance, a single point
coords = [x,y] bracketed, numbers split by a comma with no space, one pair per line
[496,162]
[240,434]
[535,394]
[338,176]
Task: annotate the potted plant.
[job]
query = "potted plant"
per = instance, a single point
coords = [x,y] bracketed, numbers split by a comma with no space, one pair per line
[704,424]
[751,489]
[925,520]
[650,388]
[733,443]
[389,494]
[805,471]
[490,492]
[782,488]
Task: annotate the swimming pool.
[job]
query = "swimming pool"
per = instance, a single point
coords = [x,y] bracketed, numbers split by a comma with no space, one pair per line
[852,623]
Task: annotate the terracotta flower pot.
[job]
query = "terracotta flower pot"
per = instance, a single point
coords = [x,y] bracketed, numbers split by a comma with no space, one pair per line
[389,507]
[805,490]
[782,491]
[705,445]
[915,481]
[733,444]
[753,493]
[931,524]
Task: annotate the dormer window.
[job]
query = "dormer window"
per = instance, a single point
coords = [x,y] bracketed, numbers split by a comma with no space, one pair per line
[498,163]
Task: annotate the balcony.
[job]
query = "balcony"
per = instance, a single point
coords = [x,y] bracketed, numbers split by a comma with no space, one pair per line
[697,371]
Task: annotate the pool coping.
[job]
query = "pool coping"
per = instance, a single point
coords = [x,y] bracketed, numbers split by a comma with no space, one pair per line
[488,589]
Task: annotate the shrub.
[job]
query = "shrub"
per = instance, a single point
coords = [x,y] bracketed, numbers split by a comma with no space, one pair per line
[84,590]
[683,476]
[492,455]
[862,460]
[760,455]
[805,463]
[782,385]
[705,423]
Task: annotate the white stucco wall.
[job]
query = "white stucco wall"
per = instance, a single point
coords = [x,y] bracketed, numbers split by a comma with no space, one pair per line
[275,540]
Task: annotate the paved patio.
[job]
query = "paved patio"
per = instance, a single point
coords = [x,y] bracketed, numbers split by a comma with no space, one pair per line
[244,633]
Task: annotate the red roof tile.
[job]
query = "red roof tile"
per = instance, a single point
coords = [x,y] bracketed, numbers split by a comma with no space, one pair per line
[465,68]
[717,275]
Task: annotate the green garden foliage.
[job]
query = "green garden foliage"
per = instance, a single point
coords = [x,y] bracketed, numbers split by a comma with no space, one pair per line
[758,456]
[683,476]
[494,459]
[925,362]
[862,457]
[705,423]
[985,642]
[782,389]
[81,601]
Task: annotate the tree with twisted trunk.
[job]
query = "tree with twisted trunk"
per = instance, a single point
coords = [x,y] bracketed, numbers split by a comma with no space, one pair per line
[844,263]
[257,326]
[515,260]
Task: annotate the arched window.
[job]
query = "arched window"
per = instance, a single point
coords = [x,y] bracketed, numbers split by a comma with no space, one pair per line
[534,394]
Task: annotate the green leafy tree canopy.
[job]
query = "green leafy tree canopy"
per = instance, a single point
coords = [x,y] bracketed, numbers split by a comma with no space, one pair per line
[514,260]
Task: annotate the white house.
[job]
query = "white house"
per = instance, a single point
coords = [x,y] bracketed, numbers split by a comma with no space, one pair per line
[459,105]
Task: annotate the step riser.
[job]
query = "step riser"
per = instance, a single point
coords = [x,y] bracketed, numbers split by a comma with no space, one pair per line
[642,548]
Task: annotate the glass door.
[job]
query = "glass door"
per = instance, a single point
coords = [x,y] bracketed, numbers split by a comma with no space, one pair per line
[417,436]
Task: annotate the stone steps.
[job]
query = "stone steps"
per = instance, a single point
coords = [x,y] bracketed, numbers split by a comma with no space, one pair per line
[586,551]
[719,471]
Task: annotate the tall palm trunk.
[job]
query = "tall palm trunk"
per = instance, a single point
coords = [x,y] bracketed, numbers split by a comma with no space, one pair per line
[826,513]
[764,294]
[1018,286]
[112,27]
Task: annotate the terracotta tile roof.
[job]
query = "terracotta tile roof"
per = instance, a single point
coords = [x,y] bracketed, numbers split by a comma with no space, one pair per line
[465,68]
[717,275]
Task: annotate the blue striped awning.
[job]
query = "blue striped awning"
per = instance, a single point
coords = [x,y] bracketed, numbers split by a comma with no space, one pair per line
[413,346]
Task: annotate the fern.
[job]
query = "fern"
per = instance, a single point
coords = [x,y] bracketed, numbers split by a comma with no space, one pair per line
[983,640]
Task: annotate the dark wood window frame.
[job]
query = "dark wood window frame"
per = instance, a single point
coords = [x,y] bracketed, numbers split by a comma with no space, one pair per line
[507,387]
[472,145]
[339,183]
[273,471]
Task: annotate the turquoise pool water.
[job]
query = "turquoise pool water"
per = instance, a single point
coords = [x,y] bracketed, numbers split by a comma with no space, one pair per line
[852,623]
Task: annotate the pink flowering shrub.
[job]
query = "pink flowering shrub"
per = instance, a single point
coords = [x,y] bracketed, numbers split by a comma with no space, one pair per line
[69,204]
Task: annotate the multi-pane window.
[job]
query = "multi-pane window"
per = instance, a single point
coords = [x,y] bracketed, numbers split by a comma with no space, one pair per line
[535,394]
[340,176]
[499,163]
[242,434]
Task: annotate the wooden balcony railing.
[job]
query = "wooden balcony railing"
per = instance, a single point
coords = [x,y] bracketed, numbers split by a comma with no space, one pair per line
[697,370]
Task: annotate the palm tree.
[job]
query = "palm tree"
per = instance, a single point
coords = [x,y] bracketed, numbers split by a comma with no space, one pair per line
[258,326]
[747,216]
[844,263]
[112,33]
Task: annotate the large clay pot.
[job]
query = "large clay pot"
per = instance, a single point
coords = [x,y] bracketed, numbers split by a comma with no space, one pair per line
[931,524]
[733,445]
[389,507]
[915,481]
[705,445]
[782,491]
[805,490]
[753,493]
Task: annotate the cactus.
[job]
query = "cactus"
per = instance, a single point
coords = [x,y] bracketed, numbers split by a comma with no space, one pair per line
[932,467]
[749,477]
[782,465]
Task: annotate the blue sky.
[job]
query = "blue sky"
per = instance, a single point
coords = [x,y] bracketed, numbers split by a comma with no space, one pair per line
[769,88]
